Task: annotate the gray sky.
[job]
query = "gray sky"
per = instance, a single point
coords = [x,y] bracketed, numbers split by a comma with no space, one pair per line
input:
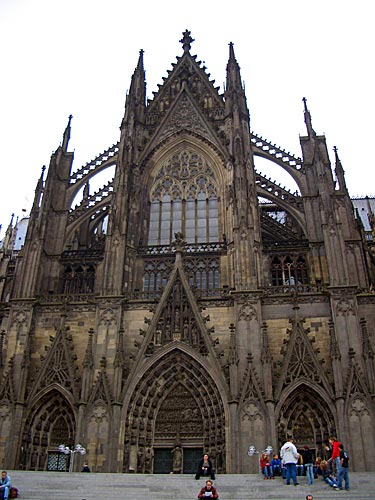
[62,57]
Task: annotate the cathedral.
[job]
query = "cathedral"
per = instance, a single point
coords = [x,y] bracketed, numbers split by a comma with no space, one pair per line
[191,301]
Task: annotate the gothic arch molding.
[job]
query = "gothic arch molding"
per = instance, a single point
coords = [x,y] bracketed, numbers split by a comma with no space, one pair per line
[177,142]
[173,374]
[305,412]
[50,422]
[295,386]
[53,387]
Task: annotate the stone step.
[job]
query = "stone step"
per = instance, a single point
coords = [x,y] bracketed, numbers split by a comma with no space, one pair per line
[101,486]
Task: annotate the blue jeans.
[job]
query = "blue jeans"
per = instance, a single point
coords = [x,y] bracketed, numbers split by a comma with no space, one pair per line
[309,473]
[6,492]
[291,472]
[331,481]
[343,475]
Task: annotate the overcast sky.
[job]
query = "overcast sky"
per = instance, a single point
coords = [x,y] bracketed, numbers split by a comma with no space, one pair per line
[61,57]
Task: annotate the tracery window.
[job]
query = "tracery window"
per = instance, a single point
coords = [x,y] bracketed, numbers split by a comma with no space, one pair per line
[79,278]
[156,274]
[290,270]
[184,198]
[203,273]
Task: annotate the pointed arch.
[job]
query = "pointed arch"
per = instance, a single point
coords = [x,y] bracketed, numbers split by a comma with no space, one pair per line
[50,422]
[306,412]
[174,376]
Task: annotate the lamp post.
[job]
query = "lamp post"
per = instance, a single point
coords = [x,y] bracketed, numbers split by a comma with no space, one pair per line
[67,451]
[253,451]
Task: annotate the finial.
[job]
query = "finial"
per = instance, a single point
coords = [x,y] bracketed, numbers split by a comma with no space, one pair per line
[140,59]
[186,41]
[310,130]
[231,51]
[66,136]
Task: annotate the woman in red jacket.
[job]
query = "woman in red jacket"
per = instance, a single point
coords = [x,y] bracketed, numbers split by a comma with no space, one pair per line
[208,491]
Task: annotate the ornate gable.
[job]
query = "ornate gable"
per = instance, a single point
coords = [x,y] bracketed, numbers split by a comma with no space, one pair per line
[58,367]
[356,383]
[7,392]
[101,390]
[177,319]
[251,389]
[300,361]
[188,77]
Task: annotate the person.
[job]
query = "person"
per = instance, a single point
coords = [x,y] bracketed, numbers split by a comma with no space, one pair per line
[5,484]
[335,457]
[344,468]
[308,463]
[290,456]
[276,465]
[327,476]
[309,497]
[86,467]
[177,459]
[265,466]
[205,468]
[208,491]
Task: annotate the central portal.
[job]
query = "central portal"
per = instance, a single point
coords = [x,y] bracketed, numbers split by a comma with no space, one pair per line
[179,423]
[163,460]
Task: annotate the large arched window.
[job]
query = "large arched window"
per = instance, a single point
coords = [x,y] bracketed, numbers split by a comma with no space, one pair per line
[184,199]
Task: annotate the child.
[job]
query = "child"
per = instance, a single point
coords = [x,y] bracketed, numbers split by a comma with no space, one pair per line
[276,465]
[344,468]
[265,466]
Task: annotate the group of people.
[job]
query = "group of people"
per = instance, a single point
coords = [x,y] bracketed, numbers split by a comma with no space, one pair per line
[334,471]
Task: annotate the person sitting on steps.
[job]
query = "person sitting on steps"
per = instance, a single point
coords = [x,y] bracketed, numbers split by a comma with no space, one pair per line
[4,485]
[208,491]
[205,468]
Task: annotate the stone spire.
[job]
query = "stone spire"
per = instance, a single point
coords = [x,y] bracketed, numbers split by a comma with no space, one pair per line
[66,136]
[234,92]
[307,114]
[339,171]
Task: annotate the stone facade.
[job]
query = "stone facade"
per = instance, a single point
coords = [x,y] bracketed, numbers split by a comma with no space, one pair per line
[191,301]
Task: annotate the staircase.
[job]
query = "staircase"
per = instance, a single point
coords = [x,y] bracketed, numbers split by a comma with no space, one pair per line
[100,486]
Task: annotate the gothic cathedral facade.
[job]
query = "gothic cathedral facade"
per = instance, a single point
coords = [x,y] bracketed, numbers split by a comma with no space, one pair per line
[191,300]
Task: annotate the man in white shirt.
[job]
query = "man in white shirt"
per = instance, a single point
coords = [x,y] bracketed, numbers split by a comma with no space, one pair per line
[289,456]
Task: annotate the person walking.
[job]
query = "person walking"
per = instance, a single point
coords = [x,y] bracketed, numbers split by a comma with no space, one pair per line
[344,468]
[290,456]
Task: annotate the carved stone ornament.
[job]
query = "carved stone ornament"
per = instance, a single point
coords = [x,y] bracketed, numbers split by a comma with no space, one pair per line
[247,312]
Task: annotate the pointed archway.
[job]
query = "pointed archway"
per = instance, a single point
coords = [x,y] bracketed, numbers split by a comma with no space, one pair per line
[50,423]
[307,416]
[175,401]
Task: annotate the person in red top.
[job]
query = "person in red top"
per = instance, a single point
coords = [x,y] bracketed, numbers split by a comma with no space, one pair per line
[265,466]
[335,457]
[208,491]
